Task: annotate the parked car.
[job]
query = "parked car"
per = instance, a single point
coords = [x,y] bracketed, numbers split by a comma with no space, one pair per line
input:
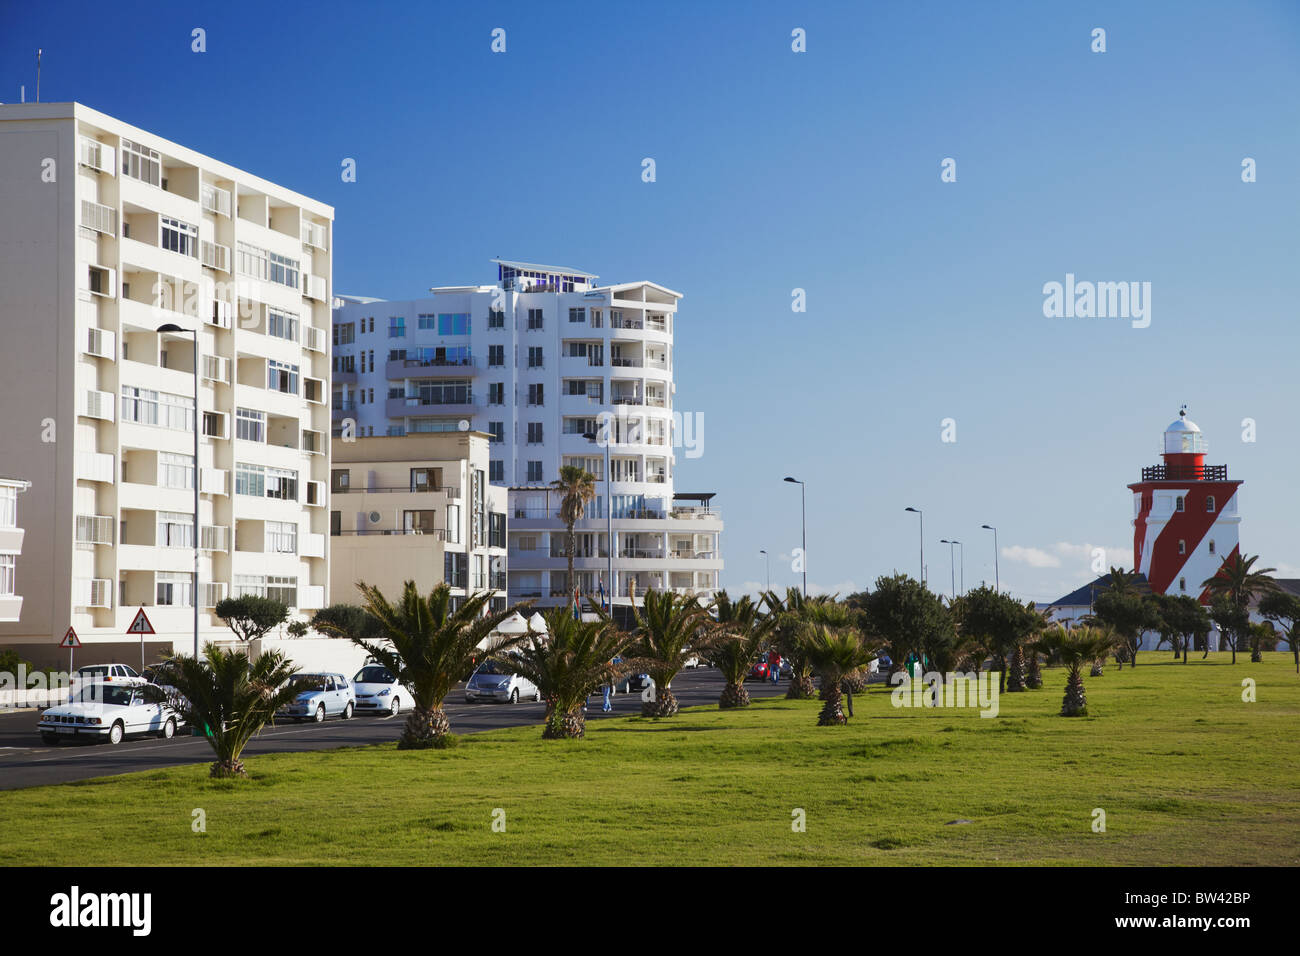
[631,682]
[758,671]
[377,691]
[320,696]
[492,681]
[102,674]
[110,712]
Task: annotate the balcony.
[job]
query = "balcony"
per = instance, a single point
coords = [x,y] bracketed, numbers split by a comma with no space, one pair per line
[214,592]
[313,287]
[426,368]
[95,466]
[94,529]
[1185,473]
[101,343]
[92,592]
[214,538]
[316,340]
[214,255]
[213,481]
[313,234]
[97,405]
[643,553]
[214,199]
[437,534]
[96,155]
[99,218]
[312,545]
[401,407]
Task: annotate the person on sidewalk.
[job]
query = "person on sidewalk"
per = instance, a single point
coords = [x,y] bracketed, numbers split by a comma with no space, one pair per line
[773,665]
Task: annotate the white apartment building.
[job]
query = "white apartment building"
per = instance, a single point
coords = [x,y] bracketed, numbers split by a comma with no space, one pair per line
[110,233]
[11,546]
[534,360]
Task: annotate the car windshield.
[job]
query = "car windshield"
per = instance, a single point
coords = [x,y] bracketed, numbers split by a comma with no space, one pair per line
[375,674]
[105,694]
[492,667]
[89,673]
[307,682]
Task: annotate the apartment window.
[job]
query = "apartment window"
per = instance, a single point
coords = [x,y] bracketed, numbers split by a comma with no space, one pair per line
[281,377]
[180,237]
[453,323]
[340,481]
[536,394]
[496,470]
[454,569]
[453,524]
[1212,551]
[146,407]
[371,354]
[282,588]
[345,333]
[534,471]
[258,481]
[496,530]
[534,318]
[1209,503]
[1178,503]
[282,537]
[174,471]
[8,565]
[282,484]
[426,322]
[397,326]
[534,433]
[260,264]
[9,505]
[214,424]
[426,479]
[496,393]
[173,589]
[577,315]
[250,425]
[345,363]
[496,355]
[597,319]
[534,356]
[496,319]
[497,430]
[175,530]
[141,163]
[1182,584]
[1182,546]
[283,325]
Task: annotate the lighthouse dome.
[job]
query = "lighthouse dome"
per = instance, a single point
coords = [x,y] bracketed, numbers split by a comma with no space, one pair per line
[1183,437]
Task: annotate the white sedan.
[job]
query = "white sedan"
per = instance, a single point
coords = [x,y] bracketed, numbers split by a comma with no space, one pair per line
[110,711]
[378,691]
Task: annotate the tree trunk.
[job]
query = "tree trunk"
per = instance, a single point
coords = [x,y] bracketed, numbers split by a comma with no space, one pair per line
[423,728]
[1255,655]
[663,705]
[734,695]
[1295,650]
[801,688]
[226,769]
[571,725]
[573,541]
[1002,673]
[1034,673]
[1075,703]
[832,715]
[1016,673]
[1097,665]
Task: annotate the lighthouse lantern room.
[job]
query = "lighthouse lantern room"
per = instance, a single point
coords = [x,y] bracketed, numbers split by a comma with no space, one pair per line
[1185,517]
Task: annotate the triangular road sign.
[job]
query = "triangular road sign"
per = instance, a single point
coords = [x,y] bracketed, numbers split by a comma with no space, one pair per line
[70,639]
[141,624]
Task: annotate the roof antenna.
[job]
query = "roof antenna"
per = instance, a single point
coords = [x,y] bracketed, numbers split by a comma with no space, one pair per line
[38,74]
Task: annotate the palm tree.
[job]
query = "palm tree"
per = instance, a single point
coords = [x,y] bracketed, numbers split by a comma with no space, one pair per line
[793,615]
[669,630]
[1238,584]
[578,487]
[834,654]
[1073,649]
[429,647]
[230,697]
[568,663]
[739,635]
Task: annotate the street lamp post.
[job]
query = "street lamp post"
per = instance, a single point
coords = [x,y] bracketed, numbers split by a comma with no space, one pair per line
[767,561]
[609,519]
[952,564]
[921,515]
[997,582]
[803,510]
[961,554]
[198,419]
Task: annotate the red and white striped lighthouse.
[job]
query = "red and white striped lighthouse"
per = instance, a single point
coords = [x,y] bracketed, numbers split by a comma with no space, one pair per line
[1185,515]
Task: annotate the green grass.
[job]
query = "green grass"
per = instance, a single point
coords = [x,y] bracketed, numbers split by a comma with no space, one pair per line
[1186,772]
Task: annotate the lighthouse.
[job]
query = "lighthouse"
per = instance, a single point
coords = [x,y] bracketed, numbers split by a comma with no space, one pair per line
[1185,514]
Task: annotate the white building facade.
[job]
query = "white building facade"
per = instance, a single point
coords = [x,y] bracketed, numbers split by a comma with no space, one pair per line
[112,233]
[11,546]
[542,361]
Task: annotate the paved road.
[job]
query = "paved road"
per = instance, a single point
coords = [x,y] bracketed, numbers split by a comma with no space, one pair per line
[26,762]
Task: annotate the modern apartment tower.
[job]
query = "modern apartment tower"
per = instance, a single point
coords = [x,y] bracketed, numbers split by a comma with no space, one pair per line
[119,250]
[545,361]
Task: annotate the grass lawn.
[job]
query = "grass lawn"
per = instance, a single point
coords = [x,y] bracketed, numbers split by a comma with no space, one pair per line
[1186,772]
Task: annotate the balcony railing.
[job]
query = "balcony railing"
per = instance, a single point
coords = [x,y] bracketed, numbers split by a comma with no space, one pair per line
[101,343]
[451,491]
[1185,473]
[94,529]
[214,255]
[215,199]
[457,579]
[214,538]
[313,286]
[619,322]
[439,534]
[640,553]
[313,234]
[497,580]
[98,217]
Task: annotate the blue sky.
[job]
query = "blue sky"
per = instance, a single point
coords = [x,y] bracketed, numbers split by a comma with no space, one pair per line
[819,171]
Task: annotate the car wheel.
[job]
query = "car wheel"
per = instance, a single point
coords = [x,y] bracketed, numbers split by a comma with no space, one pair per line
[395,707]
[49,739]
[320,713]
[169,729]
[514,696]
[347,711]
[116,734]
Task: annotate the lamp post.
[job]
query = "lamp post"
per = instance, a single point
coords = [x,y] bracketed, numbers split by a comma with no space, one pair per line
[997,583]
[767,560]
[803,510]
[952,564]
[961,558]
[609,517]
[921,514]
[198,529]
